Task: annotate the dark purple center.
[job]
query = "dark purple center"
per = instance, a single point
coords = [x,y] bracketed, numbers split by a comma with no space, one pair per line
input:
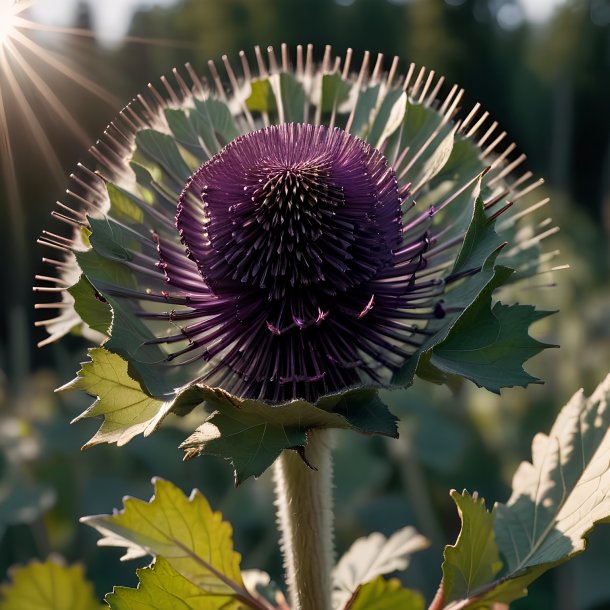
[289,207]
[298,283]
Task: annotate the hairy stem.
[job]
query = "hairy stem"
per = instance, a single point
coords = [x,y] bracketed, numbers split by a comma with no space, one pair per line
[304,511]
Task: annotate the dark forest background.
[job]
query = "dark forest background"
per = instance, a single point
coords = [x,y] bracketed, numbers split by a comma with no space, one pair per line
[547,84]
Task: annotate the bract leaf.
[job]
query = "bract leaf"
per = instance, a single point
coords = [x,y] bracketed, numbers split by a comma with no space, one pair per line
[252,434]
[249,433]
[185,532]
[489,347]
[381,594]
[162,587]
[371,557]
[474,560]
[48,586]
[93,309]
[163,150]
[126,409]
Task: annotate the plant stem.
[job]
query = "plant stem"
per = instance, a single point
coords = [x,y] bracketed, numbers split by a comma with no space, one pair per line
[304,512]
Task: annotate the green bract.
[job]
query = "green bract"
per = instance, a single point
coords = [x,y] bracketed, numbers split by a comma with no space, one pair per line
[361,246]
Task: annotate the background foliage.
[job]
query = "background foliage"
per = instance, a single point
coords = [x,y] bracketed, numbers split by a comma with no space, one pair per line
[547,84]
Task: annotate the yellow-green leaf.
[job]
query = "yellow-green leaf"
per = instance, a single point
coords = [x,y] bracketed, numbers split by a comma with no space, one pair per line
[126,408]
[474,560]
[161,587]
[381,594]
[48,586]
[194,540]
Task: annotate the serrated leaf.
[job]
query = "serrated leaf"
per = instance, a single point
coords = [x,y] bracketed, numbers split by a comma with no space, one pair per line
[184,132]
[92,308]
[381,594]
[556,501]
[373,556]
[252,434]
[127,410]
[474,560]
[559,497]
[185,532]
[161,587]
[438,156]
[489,347]
[249,433]
[48,586]
[484,344]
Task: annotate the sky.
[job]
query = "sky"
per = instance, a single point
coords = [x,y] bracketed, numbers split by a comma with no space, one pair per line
[112,17]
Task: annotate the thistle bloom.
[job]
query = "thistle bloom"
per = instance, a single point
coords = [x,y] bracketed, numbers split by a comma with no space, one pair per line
[300,233]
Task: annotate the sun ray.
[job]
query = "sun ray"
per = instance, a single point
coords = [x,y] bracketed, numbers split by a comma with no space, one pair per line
[55,61]
[55,103]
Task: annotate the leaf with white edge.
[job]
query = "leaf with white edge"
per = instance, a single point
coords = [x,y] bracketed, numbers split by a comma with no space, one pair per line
[556,501]
[126,408]
[162,587]
[252,434]
[434,163]
[193,539]
[474,560]
[559,497]
[48,586]
[381,594]
[373,556]
[388,118]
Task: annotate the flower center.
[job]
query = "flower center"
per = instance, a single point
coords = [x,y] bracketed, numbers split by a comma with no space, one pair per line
[291,207]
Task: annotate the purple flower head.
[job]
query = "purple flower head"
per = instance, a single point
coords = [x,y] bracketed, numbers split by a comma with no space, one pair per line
[281,248]
[297,279]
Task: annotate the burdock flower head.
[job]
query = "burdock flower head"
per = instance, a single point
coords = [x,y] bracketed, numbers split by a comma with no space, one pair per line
[281,246]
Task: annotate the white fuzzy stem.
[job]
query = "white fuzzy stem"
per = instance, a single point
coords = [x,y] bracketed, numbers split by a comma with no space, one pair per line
[304,510]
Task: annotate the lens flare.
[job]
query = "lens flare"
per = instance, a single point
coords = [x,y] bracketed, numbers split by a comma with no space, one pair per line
[9,19]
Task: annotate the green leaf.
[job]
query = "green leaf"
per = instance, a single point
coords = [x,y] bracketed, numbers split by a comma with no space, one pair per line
[249,433]
[162,149]
[252,434]
[381,594]
[191,538]
[123,205]
[364,112]
[162,587]
[292,95]
[48,586]
[489,347]
[214,122]
[556,501]
[559,497]
[92,308]
[484,344]
[371,557]
[480,242]
[335,90]
[126,409]
[262,97]
[388,118]
[184,131]
[474,560]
